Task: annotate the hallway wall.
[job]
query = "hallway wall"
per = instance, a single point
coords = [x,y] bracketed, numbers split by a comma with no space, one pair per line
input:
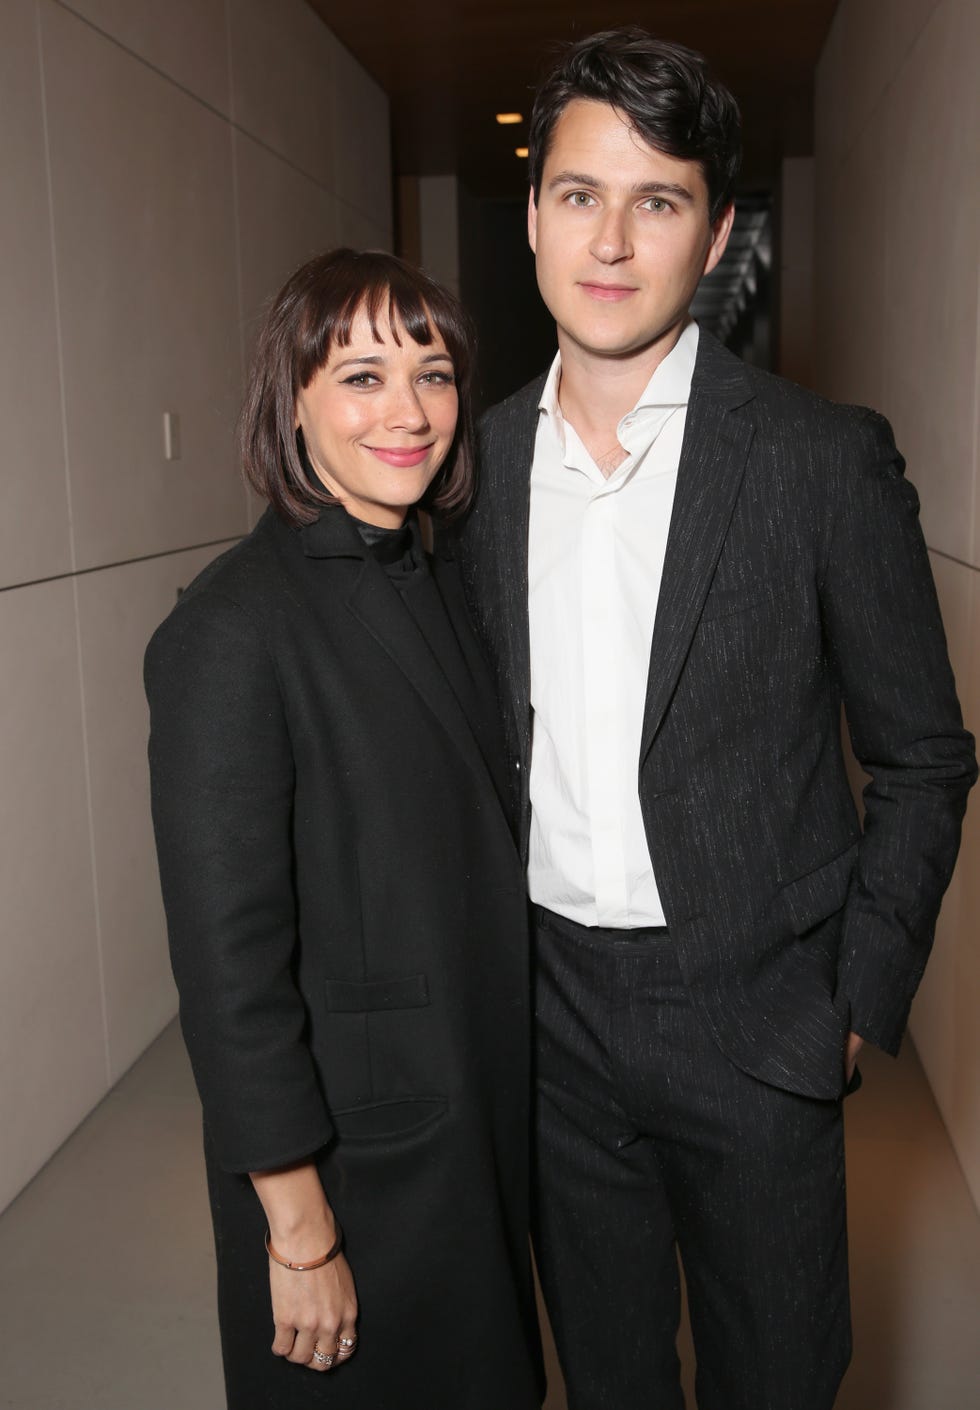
[897,241]
[164,167]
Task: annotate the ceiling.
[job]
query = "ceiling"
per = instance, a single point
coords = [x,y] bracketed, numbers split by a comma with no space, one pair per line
[449,65]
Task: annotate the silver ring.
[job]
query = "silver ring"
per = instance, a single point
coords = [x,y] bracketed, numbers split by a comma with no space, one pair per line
[347,1342]
[322,1358]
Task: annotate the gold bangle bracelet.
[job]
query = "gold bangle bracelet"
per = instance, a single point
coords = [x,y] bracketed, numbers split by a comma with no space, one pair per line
[306,1267]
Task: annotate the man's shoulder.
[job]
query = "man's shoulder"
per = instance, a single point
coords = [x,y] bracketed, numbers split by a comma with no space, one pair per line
[793,416]
[783,407]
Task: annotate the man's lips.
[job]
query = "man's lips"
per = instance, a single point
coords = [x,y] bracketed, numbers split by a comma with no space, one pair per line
[610,293]
[402,456]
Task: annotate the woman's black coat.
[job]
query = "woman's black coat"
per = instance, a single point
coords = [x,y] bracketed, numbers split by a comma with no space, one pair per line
[347,922]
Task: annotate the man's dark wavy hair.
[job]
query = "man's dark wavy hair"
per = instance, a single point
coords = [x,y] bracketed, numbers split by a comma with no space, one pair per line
[664,90]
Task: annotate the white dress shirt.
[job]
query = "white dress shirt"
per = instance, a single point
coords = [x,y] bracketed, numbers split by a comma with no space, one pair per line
[595,558]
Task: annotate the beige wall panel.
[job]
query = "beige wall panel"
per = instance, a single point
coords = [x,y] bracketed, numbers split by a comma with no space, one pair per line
[360,232]
[144,228]
[119,609]
[868,42]
[963,1114]
[52,1035]
[934,1027]
[363,141]
[185,39]
[932,224]
[34,532]
[282,66]
[284,218]
[850,284]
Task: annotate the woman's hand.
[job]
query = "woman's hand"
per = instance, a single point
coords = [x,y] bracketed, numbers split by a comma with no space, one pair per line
[315,1311]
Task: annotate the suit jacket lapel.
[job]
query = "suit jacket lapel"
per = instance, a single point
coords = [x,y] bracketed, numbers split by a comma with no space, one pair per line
[716,444]
[510,456]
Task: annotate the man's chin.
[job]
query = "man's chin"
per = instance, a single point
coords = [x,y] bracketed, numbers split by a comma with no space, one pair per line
[624,348]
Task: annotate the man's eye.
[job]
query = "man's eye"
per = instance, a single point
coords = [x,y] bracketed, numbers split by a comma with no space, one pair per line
[580,198]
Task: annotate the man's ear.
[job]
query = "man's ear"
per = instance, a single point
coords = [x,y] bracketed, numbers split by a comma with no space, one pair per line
[532,221]
[720,232]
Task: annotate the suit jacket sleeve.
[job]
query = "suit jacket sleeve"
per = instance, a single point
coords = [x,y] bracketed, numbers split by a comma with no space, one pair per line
[885,636]
[221,771]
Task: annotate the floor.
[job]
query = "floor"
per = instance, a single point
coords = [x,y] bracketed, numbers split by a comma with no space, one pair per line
[106,1268]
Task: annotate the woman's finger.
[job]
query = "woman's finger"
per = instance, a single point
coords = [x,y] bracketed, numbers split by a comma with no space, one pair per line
[323,1358]
[302,1352]
[346,1341]
[282,1344]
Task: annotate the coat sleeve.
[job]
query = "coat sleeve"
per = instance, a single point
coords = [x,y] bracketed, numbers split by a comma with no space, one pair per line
[885,636]
[221,772]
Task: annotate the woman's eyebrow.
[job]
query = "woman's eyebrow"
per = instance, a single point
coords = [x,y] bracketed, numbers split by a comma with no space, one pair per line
[378,359]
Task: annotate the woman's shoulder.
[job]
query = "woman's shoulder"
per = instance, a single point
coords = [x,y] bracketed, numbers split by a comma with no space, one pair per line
[243,572]
[233,598]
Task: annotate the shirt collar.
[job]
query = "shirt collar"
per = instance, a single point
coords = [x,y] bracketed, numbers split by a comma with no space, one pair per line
[670,384]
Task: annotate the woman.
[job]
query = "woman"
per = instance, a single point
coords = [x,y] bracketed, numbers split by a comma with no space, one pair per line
[345,905]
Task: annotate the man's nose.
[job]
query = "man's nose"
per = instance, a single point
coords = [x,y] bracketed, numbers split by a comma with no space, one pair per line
[612,237]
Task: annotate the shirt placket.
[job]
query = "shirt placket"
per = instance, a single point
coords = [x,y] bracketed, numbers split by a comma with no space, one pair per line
[601,647]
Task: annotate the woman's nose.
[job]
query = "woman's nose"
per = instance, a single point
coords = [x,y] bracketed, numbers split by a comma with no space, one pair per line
[406,410]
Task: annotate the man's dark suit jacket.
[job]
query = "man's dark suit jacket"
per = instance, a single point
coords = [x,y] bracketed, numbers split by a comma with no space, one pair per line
[796,578]
[347,924]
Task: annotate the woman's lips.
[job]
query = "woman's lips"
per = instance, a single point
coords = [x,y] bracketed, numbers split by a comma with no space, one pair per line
[610,293]
[402,456]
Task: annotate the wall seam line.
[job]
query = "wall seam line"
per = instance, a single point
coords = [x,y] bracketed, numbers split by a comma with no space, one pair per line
[56,289]
[120,563]
[86,768]
[196,97]
[951,558]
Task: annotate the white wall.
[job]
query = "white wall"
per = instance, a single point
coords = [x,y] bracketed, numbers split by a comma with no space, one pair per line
[164,167]
[898,238]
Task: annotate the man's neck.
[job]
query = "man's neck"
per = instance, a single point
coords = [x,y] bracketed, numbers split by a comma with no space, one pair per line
[596,392]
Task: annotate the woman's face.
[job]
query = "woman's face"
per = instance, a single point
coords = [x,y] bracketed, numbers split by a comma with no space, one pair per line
[379,419]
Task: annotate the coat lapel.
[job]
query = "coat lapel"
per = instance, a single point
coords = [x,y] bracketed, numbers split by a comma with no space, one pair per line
[716,444]
[374,604]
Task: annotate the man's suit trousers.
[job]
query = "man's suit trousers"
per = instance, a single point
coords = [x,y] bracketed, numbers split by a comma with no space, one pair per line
[651,1142]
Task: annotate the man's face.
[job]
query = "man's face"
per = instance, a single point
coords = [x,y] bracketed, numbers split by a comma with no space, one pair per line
[620,232]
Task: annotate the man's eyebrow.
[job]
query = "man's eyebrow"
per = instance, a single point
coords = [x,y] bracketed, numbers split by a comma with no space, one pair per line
[640,188]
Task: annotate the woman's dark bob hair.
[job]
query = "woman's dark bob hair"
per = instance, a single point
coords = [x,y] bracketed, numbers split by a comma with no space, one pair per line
[314,311]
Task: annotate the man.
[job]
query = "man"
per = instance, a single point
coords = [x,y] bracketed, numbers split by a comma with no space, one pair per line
[681,567]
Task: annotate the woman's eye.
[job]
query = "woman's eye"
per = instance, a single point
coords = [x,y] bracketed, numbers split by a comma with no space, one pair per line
[360,379]
[437,379]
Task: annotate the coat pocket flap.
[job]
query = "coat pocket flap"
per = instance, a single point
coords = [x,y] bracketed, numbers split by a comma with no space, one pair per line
[408,991]
[813,897]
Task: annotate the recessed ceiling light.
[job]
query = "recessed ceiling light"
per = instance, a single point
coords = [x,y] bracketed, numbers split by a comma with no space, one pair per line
[508,119]
[520,151]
